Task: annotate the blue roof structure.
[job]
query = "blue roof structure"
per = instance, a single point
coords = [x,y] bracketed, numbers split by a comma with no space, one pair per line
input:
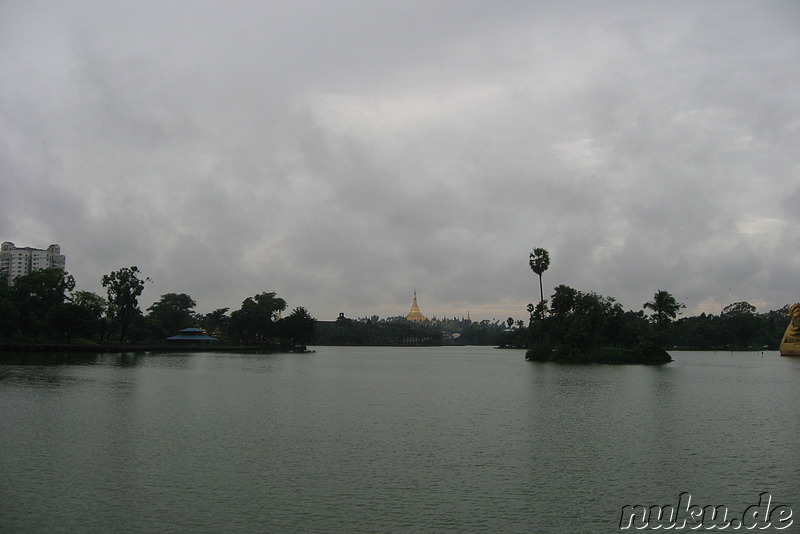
[192,334]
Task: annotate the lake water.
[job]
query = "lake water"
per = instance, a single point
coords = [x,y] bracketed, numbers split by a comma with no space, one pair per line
[443,439]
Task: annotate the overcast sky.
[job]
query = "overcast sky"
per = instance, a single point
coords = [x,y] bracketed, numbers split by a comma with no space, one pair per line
[347,153]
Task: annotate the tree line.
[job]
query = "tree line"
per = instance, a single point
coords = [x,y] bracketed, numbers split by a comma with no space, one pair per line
[398,331]
[44,305]
[572,324]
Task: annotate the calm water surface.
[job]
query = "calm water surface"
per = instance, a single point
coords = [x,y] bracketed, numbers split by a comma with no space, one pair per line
[388,440]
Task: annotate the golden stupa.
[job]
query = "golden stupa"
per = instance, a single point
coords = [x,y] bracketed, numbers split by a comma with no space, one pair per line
[790,343]
[415,315]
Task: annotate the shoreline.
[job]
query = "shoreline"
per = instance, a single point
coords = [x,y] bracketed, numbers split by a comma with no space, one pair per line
[122,348]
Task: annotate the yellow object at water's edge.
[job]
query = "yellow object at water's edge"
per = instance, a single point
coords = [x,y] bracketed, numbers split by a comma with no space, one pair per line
[790,343]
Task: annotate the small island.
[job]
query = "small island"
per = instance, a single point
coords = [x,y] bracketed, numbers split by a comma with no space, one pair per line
[588,328]
[580,327]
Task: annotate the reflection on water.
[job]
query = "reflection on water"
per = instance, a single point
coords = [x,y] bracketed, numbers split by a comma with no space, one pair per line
[386,440]
[48,358]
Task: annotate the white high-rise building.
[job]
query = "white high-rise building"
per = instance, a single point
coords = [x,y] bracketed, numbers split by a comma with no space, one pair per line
[16,262]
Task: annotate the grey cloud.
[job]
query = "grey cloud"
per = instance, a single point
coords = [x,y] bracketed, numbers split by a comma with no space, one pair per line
[346,154]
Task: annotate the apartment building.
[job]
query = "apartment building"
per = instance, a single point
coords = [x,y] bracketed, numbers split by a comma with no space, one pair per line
[20,261]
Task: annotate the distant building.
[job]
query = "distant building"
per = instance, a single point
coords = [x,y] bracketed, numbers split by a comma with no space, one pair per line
[415,315]
[16,262]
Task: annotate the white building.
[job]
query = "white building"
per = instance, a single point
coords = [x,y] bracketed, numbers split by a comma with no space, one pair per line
[16,262]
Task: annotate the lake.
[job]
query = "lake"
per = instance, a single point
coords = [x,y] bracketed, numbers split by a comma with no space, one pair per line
[365,439]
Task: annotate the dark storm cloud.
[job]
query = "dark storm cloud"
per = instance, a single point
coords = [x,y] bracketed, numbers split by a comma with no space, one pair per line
[345,154]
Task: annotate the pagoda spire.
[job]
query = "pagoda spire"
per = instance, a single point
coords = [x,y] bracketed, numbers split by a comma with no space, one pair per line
[415,315]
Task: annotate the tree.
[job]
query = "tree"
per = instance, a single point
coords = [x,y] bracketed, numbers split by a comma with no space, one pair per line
[539,261]
[93,302]
[664,308]
[298,327]
[582,321]
[564,300]
[69,319]
[35,293]
[9,325]
[740,322]
[255,321]
[538,312]
[124,288]
[173,312]
[587,327]
[774,325]
[739,308]
[46,286]
[216,322]
[92,308]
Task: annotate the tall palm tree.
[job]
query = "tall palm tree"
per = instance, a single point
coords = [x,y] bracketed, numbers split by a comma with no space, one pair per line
[539,262]
[664,308]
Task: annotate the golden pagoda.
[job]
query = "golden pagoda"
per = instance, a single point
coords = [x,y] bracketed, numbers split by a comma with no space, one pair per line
[415,315]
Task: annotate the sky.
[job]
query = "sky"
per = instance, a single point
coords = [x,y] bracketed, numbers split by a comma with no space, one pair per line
[345,154]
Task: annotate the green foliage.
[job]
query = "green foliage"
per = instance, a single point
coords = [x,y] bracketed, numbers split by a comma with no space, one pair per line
[93,302]
[664,308]
[35,293]
[539,262]
[45,286]
[92,308]
[172,312]
[513,338]
[582,321]
[44,304]
[68,320]
[738,326]
[124,288]
[255,321]
[581,326]
[539,311]
[345,331]
[10,323]
[739,309]
[481,333]
[587,327]
[742,322]
[216,322]
[146,329]
[298,327]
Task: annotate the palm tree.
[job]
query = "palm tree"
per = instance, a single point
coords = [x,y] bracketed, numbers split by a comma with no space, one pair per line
[539,262]
[664,308]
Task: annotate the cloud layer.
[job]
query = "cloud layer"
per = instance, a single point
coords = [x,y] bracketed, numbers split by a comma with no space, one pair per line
[345,154]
